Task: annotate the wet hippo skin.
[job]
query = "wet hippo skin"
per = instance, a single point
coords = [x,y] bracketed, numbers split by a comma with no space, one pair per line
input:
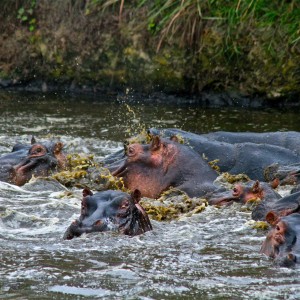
[237,157]
[164,163]
[38,159]
[282,243]
[110,211]
[243,193]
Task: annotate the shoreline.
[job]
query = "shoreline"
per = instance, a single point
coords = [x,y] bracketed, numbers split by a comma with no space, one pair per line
[207,99]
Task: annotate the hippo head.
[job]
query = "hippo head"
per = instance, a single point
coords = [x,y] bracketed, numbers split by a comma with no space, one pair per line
[146,166]
[39,159]
[241,192]
[282,175]
[282,242]
[110,211]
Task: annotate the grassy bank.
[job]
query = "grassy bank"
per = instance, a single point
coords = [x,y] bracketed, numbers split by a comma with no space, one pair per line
[187,46]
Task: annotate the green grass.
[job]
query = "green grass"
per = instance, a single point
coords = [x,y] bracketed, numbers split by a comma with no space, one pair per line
[250,45]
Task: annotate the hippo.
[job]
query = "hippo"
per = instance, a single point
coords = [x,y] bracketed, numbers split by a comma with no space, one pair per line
[282,243]
[110,211]
[282,207]
[287,139]
[153,168]
[243,193]
[278,174]
[38,159]
[235,158]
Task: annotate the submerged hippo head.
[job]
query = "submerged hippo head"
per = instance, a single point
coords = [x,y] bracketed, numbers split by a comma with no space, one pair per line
[241,192]
[164,163]
[38,159]
[283,240]
[283,206]
[110,210]
[278,174]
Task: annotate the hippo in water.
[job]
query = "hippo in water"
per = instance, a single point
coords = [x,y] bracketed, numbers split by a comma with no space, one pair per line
[282,243]
[278,174]
[110,211]
[243,193]
[281,207]
[288,139]
[153,168]
[236,158]
[38,159]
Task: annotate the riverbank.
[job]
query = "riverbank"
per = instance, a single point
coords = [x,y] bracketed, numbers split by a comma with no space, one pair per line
[243,54]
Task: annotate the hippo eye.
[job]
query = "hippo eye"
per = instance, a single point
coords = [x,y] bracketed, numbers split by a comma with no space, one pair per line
[277,228]
[38,150]
[125,204]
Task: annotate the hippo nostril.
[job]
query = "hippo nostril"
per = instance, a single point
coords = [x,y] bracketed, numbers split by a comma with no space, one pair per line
[98,223]
[125,204]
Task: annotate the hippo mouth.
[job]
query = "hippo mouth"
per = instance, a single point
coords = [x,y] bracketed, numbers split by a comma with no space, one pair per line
[23,172]
[76,229]
[288,259]
[121,171]
[222,202]
[129,223]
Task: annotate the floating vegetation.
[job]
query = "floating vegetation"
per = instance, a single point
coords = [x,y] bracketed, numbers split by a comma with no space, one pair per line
[227,180]
[213,165]
[260,225]
[173,204]
[85,172]
[142,138]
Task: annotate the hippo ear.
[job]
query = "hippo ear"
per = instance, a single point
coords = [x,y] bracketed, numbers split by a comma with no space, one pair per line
[275,183]
[58,147]
[272,218]
[33,140]
[256,187]
[174,138]
[156,142]
[87,192]
[136,196]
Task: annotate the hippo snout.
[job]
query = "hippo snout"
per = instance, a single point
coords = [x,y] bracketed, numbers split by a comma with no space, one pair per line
[76,229]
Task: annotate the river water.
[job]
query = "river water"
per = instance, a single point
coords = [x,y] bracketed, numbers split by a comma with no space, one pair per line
[211,255]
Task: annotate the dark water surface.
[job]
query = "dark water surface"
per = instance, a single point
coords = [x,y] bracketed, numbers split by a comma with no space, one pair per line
[211,255]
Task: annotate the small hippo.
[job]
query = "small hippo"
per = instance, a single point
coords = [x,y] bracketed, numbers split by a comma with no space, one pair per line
[278,174]
[38,159]
[153,168]
[282,207]
[282,243]
[110,211]
[243,193]
[235,158]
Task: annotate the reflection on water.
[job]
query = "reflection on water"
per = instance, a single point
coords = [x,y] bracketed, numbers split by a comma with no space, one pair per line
[115,119]
[212,255]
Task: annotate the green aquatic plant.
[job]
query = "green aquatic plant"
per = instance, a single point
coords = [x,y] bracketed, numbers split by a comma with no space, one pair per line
[260,225]
[84,172]
[173,204]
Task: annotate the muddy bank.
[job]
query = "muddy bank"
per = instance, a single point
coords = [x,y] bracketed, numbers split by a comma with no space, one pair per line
[100,46]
